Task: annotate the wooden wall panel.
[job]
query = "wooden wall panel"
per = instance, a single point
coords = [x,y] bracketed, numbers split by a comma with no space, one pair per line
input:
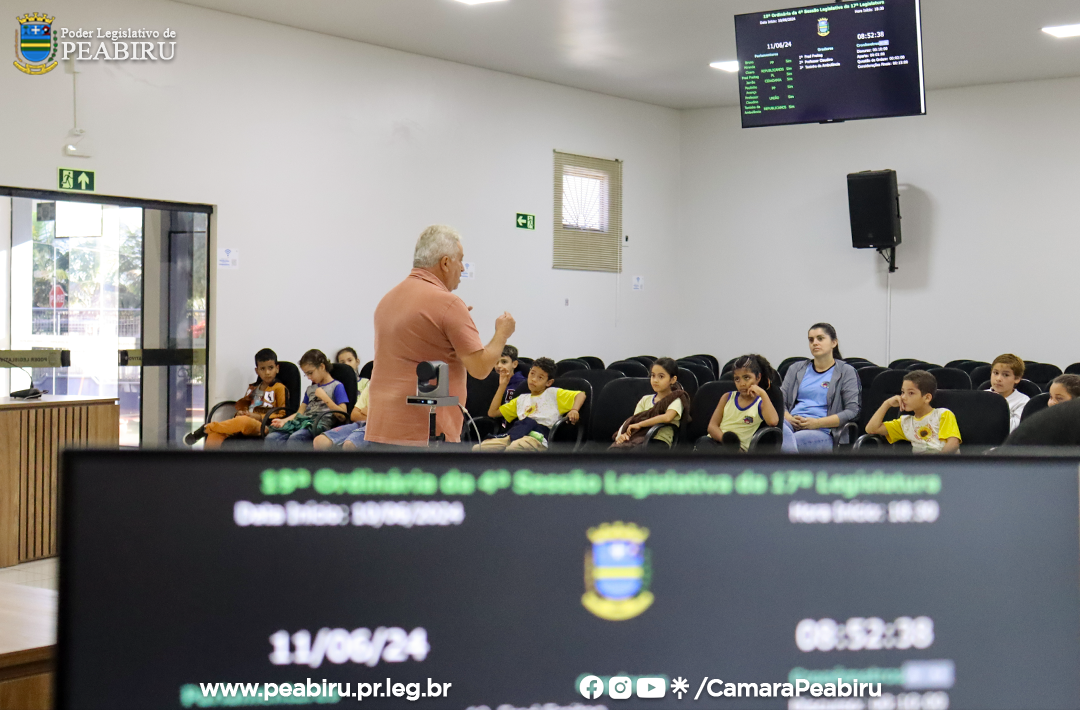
[31,440]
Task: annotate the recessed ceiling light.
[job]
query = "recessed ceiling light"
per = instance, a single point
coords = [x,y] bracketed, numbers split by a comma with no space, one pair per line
[477,2]
[727,65]
[1063,31]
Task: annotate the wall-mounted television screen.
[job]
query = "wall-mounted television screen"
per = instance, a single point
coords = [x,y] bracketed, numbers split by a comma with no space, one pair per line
[829,63]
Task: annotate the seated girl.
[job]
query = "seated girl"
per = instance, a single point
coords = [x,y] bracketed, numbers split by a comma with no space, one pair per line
[325,393]
[740,414]
[1063,388]
[667,405]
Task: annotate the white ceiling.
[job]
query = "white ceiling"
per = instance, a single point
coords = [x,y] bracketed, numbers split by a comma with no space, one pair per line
[658,51]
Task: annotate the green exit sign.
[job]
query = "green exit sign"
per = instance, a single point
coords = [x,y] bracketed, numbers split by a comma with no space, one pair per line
[78,180]
[526,222]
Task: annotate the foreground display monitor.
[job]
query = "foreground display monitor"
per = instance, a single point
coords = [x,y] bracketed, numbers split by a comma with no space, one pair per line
[827,63]
[365,581]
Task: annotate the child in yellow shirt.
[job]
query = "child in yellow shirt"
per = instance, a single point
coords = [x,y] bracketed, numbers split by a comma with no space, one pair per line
[928,429]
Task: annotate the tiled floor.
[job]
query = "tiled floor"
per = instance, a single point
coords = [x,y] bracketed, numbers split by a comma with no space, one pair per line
[40,574]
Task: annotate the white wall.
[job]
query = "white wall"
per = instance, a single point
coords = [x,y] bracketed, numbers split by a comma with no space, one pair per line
[326,158]
[991,240]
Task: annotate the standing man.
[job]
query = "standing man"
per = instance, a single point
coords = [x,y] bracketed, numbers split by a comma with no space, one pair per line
[422,319]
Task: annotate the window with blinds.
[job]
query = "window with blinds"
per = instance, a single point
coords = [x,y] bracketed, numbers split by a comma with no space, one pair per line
[588,213]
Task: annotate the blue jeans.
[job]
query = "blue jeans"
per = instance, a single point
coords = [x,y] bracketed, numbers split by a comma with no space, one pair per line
[353,433]
[301,438]
[806,441]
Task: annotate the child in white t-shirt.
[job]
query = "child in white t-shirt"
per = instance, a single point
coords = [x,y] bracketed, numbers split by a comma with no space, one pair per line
[929,430]
[531,415]
[1006,371]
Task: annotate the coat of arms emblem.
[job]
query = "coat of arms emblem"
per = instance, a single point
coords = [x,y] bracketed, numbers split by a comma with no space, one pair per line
[618,572]
[35,48]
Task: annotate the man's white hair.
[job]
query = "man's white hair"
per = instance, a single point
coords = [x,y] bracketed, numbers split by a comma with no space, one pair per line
[435,243]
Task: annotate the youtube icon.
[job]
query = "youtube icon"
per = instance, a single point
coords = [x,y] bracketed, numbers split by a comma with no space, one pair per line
[655,687]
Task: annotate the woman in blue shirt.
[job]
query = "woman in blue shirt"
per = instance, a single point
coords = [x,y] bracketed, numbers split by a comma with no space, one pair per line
[820,395]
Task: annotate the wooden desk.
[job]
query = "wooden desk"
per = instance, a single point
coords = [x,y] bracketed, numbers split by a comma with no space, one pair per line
[32,433]
[27,647]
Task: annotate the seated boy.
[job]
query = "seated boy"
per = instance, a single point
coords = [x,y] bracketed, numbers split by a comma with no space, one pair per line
[1006,371]
[263,395]
[350,436]
[508,364]
[929,430]
[532,414]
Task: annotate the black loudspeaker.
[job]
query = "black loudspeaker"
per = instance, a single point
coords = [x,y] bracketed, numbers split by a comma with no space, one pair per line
[874,205]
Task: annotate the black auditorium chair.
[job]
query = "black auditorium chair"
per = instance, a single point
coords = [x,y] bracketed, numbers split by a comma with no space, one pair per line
[958,363]
[951,378]
[477,401]
[883,386]
[524,366]
[980,374]
[597,378]
[703,373]
[1073,369]
[289,376]
[850,360]
[614,404]
[1025,386]
[788,362]
[594,363]
[630,368]
[570,364]
[902,363]
[859,363]
[646,360]
[728,376]
[922,366]
[694,359]
[688,380]
[969,366]
[868,373]
[345,375]
[365,372]
[1041,373]
[563,432]
[713,362]
[527,360]
[983,420]
[1034,405]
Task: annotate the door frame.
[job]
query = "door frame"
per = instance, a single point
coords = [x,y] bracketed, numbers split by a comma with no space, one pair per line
[145,204]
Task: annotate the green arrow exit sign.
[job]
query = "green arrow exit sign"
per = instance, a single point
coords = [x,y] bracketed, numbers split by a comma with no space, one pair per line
[78,180]
[526,222]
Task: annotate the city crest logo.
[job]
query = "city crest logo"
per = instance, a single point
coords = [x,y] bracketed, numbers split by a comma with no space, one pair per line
[35,47]
[618,572]
[823,26]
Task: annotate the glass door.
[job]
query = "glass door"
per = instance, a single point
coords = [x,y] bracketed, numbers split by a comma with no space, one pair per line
[123,286]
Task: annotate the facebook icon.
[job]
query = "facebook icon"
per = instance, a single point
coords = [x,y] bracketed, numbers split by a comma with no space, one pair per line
[591,687]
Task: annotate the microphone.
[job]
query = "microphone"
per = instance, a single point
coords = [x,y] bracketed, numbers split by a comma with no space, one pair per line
[31,393]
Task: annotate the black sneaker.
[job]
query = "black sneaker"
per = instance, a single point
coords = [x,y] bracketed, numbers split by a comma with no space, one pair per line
[194,437]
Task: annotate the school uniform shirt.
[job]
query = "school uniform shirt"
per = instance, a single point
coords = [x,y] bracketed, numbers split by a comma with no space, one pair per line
[1016,401]
[545,408]
[261,398]
[744,422]
[664,434]
[814,393]
[926,434]
[334,389]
